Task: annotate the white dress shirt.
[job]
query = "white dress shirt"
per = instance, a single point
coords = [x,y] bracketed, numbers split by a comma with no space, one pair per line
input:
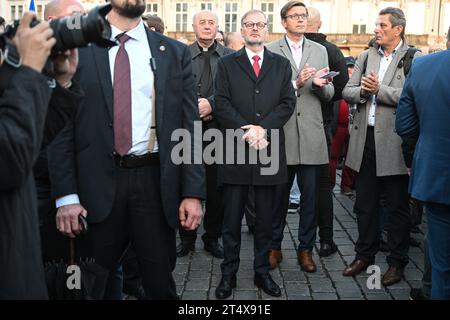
[142,80]
[297,56]
[384,65]
[251,54]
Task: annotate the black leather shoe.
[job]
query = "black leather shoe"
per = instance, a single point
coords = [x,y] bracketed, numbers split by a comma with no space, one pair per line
[417,294]
[327,249]
[225,287]
[214,248]
[266,283]
[184,248]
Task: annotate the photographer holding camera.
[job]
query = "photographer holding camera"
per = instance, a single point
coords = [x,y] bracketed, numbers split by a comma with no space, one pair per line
[33,108]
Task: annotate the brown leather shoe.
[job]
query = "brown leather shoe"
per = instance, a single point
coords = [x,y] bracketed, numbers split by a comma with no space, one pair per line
[355,268]
[275,258]
[306,261]
[392,276]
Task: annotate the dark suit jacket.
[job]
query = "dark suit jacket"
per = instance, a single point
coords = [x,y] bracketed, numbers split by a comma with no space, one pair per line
[197,70]
[82,160]
[243,99]
[424,110]
[23,107]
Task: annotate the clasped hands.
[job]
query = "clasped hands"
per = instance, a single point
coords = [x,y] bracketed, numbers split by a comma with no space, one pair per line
[370,85]
[255,136]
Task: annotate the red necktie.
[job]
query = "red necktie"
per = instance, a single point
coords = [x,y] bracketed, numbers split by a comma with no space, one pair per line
[256,66]
[122,99]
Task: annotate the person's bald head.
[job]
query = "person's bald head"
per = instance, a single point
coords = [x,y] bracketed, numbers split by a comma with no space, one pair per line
[314,22]
[234,40]
[62,8]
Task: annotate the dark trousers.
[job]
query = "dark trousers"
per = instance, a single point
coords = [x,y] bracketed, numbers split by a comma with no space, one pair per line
[137,217]
[325,205]
[308,183]
[249,210]
[213,218]
[439,249]
[235,197]
[339,144]
[369,188]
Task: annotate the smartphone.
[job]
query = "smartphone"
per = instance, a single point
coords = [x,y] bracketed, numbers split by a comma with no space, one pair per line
[330,74]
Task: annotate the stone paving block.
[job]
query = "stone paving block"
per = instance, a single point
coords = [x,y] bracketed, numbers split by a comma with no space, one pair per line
[245,283]
[294,276]
[413,274]
[343,241]
[179,278]
[246,295]
[335,266]
[299,297]
[195,295]
[199,274]
[197,284]
[324,296]
[297,288]
[378,296]
[401,294]
[181,268]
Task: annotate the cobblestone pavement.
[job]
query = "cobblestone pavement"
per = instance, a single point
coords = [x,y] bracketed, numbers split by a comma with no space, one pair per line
[198,274]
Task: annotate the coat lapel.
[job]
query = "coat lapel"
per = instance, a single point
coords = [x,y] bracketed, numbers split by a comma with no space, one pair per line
[287,52]
[266,65]
[158,49]
[244,63]
[104,74]
[306,53]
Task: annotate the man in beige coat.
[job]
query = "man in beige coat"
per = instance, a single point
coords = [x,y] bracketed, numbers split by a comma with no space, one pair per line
[375,148]
[306,145]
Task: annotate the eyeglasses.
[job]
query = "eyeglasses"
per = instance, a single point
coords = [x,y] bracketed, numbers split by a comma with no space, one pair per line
[251,25]
[297,17]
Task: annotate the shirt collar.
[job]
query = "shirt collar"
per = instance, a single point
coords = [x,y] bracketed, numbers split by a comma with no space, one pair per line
[137,33]
[381,51]
[290,42]
[251,54]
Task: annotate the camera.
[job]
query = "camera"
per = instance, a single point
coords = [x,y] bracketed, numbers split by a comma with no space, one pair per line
[74,31]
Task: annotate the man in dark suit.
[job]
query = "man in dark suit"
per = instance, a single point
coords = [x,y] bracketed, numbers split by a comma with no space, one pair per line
[254,93]
[205,52]
[424,111]
[113,162]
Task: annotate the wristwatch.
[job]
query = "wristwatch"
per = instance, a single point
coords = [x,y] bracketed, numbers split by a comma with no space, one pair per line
[11,55]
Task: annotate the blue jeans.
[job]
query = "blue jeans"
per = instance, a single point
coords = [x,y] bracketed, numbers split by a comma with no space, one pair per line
[439,249]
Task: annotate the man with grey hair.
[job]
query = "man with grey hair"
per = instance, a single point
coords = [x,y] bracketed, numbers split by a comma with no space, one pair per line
[253,92]
[448,38]
[375,149]
[205,52]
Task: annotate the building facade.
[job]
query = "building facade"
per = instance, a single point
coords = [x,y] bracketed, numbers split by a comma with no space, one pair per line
[345,21]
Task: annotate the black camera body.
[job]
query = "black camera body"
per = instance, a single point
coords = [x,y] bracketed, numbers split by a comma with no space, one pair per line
[73,31]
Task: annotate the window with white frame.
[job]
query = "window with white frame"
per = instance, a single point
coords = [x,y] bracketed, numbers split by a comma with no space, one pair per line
[387,3]
[268,8]
[231,16]
[206,6]
[13,12]
[152,8]
[181,17]
[360,16]
[20,11]
[415,17]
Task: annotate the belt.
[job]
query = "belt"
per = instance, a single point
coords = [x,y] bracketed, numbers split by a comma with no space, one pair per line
[132,161]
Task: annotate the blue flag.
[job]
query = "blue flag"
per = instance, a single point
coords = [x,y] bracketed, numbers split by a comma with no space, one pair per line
[32,7]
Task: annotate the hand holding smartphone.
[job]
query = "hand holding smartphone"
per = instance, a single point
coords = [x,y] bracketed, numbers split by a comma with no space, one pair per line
[330,74]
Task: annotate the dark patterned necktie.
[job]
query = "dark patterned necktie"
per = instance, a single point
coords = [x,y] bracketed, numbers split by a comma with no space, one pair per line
[122,99]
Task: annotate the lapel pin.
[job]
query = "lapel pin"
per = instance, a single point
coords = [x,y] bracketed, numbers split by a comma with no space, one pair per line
[162,48]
